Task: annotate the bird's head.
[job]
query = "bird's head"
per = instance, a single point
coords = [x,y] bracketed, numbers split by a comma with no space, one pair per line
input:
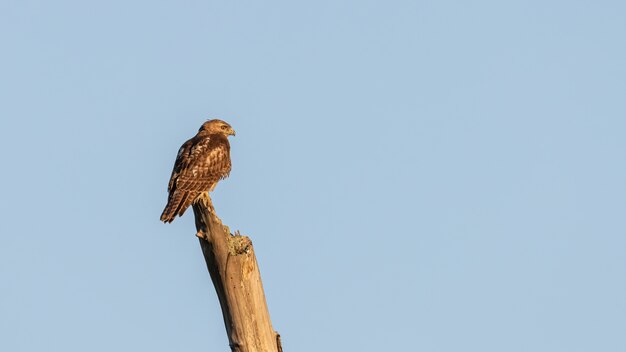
[217,127]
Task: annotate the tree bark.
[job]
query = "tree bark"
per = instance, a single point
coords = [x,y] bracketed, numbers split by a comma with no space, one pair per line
[234,271]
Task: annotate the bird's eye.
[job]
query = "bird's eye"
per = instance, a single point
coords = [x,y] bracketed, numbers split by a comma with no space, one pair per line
[224,127]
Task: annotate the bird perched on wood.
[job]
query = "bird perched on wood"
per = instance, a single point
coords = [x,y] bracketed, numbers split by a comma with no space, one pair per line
[201,162]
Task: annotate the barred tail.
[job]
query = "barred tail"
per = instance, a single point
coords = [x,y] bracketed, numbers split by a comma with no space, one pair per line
[189,198]
[169,213]
[177,203]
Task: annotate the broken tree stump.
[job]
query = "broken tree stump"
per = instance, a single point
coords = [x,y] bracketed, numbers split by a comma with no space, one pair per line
[235,273]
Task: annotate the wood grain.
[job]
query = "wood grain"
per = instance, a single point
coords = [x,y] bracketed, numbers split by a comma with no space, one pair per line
[235,273]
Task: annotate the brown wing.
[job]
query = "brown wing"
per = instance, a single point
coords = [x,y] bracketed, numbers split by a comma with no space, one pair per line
[200,163]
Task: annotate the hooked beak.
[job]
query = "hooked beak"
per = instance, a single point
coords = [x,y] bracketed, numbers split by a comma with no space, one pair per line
[231,132]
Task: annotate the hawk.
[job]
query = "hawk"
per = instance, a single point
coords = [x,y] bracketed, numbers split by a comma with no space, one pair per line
[201,162]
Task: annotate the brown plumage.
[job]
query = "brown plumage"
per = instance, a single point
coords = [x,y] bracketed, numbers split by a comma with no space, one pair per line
[201,162]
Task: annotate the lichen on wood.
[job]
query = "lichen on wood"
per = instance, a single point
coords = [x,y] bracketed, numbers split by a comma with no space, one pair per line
[234,271]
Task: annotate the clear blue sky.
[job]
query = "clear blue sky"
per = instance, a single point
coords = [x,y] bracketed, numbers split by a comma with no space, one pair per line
[415,175]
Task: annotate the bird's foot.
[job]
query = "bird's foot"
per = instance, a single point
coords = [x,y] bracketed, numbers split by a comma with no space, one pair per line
[208,202]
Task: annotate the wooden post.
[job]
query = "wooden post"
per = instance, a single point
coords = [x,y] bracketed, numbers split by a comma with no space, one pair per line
[235,274]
